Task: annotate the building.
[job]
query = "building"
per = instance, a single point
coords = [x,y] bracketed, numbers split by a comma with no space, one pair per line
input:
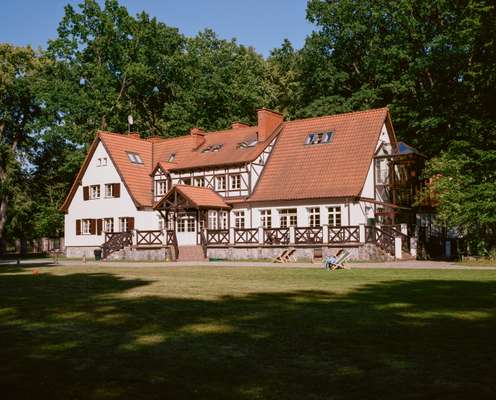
[316,184]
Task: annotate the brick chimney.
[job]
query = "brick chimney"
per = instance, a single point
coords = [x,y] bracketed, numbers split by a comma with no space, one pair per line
[198,137]
[268,121]
[134,135]
[237,124]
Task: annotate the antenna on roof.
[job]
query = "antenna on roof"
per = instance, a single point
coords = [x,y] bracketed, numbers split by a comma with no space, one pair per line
[130,121]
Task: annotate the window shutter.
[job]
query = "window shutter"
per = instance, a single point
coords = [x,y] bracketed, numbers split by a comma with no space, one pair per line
[86,192]
[78,227]
[116,189]
[130,223]
[99,226]
[92,226]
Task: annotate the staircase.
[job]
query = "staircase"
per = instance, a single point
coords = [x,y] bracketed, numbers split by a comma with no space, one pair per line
[115,242]
[191,253]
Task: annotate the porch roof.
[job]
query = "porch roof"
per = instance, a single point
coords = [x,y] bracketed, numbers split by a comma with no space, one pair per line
[200,197]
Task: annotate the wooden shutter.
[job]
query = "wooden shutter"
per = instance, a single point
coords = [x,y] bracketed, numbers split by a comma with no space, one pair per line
[99,226]
[130,223]
[116,189]
[92,226]
[86,192]
[78,227]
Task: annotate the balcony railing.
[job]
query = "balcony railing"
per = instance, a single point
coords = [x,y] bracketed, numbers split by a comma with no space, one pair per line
[313,235]
[276,236]
[344,234]
[246,236]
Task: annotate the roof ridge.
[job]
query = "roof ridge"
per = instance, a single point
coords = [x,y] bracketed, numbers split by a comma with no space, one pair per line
[340,114]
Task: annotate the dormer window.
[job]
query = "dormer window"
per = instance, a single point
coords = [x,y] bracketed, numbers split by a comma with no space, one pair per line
[135,158]
[321,137]
[172,157]
[212,148]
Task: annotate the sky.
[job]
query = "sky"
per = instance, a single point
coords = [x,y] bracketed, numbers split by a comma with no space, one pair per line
[262,24]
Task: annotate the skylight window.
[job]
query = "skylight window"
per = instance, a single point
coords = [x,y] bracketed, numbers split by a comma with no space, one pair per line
[135,158]
[212,148]
[321,137]
[172,157]
[247,143]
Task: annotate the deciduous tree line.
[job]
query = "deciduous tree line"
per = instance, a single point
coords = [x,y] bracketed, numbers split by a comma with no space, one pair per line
[431,62]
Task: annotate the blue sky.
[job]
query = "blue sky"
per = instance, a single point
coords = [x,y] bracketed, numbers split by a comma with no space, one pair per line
[261,24]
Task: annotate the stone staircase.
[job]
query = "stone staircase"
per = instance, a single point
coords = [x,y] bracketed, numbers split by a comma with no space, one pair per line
[191,253]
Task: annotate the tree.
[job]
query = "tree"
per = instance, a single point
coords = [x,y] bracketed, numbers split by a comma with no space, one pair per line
[18,113]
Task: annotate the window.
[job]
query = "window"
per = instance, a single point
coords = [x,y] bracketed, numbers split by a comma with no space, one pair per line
[247,143]
[135,158]
[239,219]
[235,182]
[314,217]
[334,216]
[108,225]
[172,157]
[288,217]
[220,183]
[186,223]
[160,188]
[200,181]
[212,220]
[212,148]
[322,137]
[94,192]
[123,224]
[86,227]
[186,181]
[266,218]
[224,222]
[109,190]
[102,162]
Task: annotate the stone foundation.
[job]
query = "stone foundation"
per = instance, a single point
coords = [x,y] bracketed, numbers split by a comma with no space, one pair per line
[133,254]
[80,251]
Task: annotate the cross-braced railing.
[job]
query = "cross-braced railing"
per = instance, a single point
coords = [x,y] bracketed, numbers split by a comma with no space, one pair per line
[246,236]
[380,238]
[115,241]
[217,236]
[149,238]
[276,236]
[311,235]
[344,234]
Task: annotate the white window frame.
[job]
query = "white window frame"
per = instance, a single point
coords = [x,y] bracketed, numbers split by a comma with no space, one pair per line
[94,192]
[220,182]
[235,181]
[109,193]
[135,158]
[86,227]
[108,223]
[266,219]
[334,216]
[313,217]
[224,220]
[288,217]
[200,181]
[213,219]
[123,224]
[239,219]
[160,187]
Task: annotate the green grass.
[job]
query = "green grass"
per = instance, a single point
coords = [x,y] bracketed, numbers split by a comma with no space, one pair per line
[246,333]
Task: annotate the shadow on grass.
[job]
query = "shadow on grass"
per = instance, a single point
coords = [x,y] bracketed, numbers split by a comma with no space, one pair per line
[76,336]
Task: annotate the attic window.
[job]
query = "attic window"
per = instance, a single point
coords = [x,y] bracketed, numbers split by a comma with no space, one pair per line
[172,157]
[321,137]
[212,148]
[134,158]
[247,143]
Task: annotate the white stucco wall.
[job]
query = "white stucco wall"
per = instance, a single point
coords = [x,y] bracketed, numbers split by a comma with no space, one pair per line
[122,206]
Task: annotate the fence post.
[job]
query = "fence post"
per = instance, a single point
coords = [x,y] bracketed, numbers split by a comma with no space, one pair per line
[325,234]
[260,235]
[292,235]
[362,233]
[398,253]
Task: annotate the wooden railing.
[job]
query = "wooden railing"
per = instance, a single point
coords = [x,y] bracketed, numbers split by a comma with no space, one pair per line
[217,236]
[115,241]
[312,235]
[380,238]
[276,236]
[171,240]
[344,234]
[149,238]
[246,236]
[395,230]
[203,243]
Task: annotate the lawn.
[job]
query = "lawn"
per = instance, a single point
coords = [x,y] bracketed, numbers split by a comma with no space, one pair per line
[246,333]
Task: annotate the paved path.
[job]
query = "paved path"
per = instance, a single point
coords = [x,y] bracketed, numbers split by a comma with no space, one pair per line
[412,264]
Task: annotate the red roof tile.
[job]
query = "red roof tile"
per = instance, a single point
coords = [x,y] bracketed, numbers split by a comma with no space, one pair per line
[337,169]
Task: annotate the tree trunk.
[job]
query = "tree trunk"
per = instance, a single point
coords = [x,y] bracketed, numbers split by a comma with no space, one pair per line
[3,218]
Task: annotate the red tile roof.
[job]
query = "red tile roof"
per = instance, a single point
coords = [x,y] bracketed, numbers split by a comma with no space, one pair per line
[198,196]
[337,169]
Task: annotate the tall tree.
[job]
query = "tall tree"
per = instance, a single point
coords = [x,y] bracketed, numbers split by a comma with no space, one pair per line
[18,113]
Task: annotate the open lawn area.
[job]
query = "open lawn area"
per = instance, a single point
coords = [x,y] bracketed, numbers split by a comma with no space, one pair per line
[246,333]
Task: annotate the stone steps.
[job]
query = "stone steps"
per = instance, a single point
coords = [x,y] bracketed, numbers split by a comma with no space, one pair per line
[191,253]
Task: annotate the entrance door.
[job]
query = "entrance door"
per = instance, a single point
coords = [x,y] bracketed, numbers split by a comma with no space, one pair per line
[186,230]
